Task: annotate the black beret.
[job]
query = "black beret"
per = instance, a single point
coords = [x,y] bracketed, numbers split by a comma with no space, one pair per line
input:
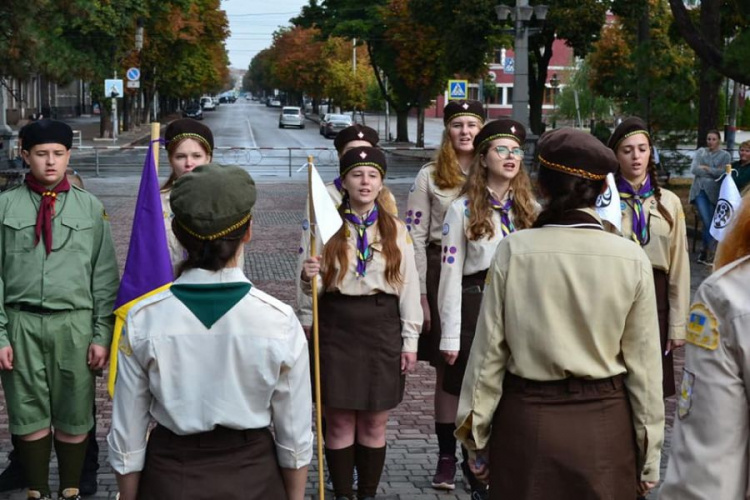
[213,200]
[629,126]
[463,107]
[362,156]
[46,132]
[187,128]
[498,129]
[576,153]
[355,132]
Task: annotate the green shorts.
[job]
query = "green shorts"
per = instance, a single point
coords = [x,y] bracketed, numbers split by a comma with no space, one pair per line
[50,384]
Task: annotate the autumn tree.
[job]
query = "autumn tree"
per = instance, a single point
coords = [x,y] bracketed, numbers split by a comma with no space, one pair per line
[299,61]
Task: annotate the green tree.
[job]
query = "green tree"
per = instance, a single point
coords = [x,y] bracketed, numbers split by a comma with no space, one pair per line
[590,104]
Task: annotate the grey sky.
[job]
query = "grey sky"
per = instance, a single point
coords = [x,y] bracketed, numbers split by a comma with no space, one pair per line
[252,23]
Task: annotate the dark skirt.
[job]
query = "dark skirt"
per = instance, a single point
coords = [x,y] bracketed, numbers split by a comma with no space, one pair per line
[360,352]
[429,342]
[571,439]
[472,287]
[661,282]
[223,463]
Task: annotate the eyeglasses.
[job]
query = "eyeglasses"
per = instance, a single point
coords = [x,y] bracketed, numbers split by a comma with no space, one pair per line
[504,152]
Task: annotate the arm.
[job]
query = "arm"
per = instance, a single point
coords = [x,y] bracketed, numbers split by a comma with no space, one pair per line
[451,274]
[294,482]
[419,201]
[408,298]
[127,485]
[291,404]
[695,166]
[105,279]
[304,301]
[483,382]
[679,276]
[720,164]
[640,352]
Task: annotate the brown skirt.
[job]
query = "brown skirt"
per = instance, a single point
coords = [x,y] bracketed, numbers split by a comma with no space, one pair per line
[571,439]
[471,300]
[429,342]
[661,282]
[223,463]
[360,352]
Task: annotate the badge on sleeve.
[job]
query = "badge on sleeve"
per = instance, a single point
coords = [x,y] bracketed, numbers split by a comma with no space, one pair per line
[703,327]
[686,394]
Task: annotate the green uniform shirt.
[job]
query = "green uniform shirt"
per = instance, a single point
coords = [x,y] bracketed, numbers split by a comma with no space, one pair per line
[743,175]
[79,274]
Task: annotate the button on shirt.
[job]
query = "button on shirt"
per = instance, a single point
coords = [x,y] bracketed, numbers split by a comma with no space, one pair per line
[248,371]
[425,212]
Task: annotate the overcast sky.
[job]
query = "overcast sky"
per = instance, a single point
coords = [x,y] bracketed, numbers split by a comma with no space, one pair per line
[252,23]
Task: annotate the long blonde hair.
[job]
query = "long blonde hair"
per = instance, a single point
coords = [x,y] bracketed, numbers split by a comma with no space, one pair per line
[447,173]
[736,244]
[480,210]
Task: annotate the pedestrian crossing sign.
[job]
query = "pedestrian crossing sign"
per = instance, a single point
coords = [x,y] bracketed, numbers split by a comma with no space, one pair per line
[457,89]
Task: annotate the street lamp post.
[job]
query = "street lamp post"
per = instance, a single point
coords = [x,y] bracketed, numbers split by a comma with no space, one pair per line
[554,84]
[521,16]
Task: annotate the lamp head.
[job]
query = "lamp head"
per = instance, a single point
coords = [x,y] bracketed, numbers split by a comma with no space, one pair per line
[502,11]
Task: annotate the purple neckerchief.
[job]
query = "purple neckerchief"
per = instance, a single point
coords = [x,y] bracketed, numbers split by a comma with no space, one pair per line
[339,186]
[363,246]
[506,225]
[640,228]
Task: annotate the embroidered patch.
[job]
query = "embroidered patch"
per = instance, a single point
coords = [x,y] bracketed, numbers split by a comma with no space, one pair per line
[305,225]
[446,228]
[124,346]
[686,394]
[623,206]
[703,327]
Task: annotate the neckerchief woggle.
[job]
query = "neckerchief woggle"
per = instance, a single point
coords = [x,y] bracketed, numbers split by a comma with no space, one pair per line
[506,225]
[363,247]
[43,228]
[640,228]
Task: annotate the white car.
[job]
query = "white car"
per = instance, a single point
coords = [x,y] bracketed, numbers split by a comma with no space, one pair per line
[208,104]
[291,116]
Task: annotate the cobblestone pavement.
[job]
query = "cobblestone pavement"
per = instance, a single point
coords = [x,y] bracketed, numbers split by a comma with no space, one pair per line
[270,264]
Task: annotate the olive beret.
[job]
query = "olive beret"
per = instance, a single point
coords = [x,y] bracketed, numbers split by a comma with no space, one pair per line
[576,153]
[362,156]
[463,107]
[498,129]
[355,132]
[629,126]
[187,128]
[46,132]
[213,200]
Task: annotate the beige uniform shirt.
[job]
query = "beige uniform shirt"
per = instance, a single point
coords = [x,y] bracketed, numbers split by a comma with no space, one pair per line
[249,371]
[461,257]
[374,282]
[667,250]
[711,435]
[424,216]
[550,311]
[177,252]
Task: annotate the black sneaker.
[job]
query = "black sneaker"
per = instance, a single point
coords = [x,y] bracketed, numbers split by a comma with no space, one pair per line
[705,259]
[88,485]
[483,494]
[13,477]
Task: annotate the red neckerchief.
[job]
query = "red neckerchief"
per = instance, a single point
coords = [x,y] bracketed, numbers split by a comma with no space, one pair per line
[46,208]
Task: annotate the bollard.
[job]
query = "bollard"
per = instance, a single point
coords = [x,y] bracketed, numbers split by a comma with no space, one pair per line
[290,162]
[96,151]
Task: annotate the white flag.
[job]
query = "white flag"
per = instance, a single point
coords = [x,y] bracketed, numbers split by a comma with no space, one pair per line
[327,216]
[608,204]
[726,208]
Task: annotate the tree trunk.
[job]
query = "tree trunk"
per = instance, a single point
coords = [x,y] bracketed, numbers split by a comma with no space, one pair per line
[420,125]
[643,65]
[402,125]
[710,81]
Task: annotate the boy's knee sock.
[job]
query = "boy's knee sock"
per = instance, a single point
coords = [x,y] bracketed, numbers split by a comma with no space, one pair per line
[370,462]
[446,439]
[70,458]
[34,456]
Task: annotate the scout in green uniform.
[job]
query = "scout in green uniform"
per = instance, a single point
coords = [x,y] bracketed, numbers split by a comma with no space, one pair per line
[59,280]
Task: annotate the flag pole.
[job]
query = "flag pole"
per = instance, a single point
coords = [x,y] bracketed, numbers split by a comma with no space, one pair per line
[155,134]
[316,338]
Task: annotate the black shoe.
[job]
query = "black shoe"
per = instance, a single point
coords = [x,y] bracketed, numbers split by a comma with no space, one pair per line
[13,477]
[482,494]
[88,485]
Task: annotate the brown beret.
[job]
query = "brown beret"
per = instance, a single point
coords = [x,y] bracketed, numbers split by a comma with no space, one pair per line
[212,200]
[498,129]
[362,156]
[187,128]
[576,153]
[463,107]
[629,126]
[355,132]
[46,132]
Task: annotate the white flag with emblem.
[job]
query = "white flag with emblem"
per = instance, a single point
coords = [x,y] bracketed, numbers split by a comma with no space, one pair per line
[726,208]
[608,204]
[327,216]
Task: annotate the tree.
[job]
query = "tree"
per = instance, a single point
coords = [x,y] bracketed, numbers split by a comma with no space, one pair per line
[259,76]
[590,104]
[299,61]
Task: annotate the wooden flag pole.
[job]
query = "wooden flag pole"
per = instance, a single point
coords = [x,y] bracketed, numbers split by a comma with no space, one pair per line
[316,339]
[155,135]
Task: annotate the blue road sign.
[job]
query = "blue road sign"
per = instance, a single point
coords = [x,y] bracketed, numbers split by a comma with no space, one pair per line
[133,74]
[510,65]
[113,88]
[457,89]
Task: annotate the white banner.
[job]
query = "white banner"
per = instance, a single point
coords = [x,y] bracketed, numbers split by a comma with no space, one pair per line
[726,208]
[608,204]
[327,216]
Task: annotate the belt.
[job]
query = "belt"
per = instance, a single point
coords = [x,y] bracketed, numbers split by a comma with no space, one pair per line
[42,311]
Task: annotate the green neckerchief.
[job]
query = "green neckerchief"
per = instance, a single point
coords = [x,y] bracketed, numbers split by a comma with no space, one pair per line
[210,301]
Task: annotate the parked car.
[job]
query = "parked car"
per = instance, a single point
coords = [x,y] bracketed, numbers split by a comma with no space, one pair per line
[323,122]
[335,124]
[208,104]
[275,103]
[193,110]
[291,116]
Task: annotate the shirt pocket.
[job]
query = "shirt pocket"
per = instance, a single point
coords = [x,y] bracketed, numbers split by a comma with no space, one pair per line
[19,234]
[73,234]
[659,243]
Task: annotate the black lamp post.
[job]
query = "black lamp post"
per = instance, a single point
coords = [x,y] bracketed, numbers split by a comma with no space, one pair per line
[554,84]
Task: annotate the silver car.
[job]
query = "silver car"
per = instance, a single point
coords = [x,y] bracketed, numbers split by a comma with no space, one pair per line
[335,124]
[291,116]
